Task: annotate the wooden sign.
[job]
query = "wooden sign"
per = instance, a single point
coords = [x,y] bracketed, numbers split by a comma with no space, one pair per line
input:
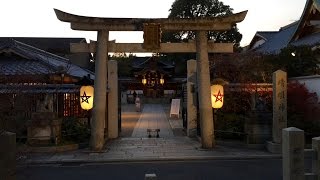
[151,36]
[175,107]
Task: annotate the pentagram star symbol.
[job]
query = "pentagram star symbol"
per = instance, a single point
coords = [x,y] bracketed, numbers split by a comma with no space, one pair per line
[85,98]
[219,96]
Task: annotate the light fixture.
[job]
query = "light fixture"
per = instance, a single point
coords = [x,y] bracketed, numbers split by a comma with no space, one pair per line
[217,95]
[144,80]
[86,97]
[161,80]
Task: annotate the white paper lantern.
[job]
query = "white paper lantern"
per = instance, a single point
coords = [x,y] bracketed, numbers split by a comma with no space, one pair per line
[217,95]
[86,97]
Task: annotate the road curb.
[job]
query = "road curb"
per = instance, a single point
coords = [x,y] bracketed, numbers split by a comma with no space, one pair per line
[119,160]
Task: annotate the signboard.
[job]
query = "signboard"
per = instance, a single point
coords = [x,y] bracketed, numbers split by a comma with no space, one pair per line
[175,107]
[151,36]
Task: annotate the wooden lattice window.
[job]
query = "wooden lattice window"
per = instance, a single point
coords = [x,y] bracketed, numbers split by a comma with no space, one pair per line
[71,105]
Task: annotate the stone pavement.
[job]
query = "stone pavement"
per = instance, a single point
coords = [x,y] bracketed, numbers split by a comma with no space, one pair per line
[152,117]
[141,148]
[149,149]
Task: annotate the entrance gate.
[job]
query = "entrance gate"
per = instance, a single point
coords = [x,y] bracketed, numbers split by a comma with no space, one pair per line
[152,29]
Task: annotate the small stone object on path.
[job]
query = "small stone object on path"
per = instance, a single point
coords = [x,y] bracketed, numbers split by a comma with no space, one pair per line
[150,177]
[151,131]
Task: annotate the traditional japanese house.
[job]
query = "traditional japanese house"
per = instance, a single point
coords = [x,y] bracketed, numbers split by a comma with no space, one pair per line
[35,80]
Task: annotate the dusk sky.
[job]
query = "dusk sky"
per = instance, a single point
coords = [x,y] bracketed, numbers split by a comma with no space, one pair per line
[36,18]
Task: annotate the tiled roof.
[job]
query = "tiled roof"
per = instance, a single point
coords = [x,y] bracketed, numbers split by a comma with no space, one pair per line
[289,35]
[45,88]
[143,62]
[31,60]
[266,34]
[278,40]
[310,40]
[48,44]
[14,65]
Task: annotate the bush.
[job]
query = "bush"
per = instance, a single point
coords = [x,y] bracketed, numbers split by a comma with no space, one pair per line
[229,125]
[230,118]
[303,110]
[74,131]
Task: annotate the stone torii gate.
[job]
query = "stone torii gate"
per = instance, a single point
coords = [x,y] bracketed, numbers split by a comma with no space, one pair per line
[152,29]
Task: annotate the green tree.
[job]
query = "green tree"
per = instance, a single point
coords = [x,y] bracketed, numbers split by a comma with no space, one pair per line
[296,61]
[124,63]
[201,8]
[198,8]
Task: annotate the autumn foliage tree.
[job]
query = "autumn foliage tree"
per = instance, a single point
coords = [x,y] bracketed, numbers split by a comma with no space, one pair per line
[303,108]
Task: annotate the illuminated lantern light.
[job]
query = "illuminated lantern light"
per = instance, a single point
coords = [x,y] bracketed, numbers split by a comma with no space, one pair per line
[161,81]
[144,81]
[217,96]
[86,97]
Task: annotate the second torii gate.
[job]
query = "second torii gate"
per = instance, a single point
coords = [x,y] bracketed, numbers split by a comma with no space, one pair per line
[151,44]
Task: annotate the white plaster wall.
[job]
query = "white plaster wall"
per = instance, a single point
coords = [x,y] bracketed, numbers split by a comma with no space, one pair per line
[312,83]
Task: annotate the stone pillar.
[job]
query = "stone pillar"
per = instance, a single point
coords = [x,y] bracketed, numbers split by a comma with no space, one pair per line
[191,98]
[99,104]
[8,156]
[316,159]
[112,99]
[203,79]
[279,80]
[293,154]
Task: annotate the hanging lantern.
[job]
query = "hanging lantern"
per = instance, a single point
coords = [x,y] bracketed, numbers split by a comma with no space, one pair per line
[161,80]
[86,97]
[217,96]
[144,80]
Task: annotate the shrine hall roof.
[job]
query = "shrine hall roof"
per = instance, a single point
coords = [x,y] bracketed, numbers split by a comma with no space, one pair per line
[143,62]
[310,40]
[275,41]
[18,58]
[305,31]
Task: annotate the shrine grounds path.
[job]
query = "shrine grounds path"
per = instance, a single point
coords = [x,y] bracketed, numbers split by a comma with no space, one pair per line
[133,145]
[135,123]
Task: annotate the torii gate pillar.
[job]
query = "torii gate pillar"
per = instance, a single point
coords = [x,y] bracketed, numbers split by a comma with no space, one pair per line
[100,84]
[203,74]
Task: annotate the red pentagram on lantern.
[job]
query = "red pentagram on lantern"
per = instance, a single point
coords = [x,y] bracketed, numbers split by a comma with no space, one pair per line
[219,96]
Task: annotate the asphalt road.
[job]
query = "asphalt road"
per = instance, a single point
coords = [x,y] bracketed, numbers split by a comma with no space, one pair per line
[256,169]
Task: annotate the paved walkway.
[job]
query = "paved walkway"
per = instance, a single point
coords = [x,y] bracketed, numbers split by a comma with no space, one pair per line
[152,117]
[141,148]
